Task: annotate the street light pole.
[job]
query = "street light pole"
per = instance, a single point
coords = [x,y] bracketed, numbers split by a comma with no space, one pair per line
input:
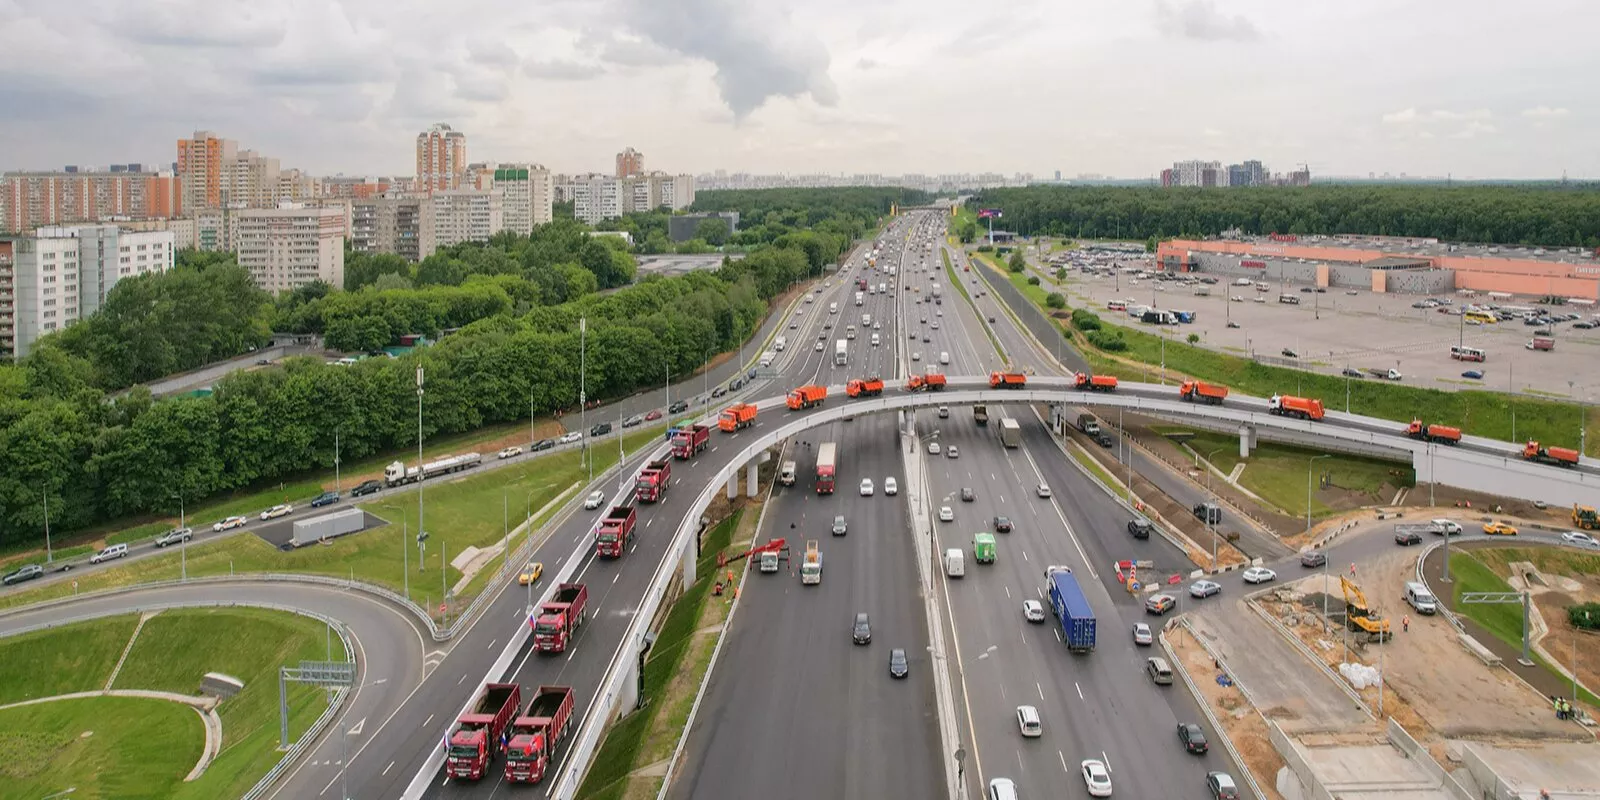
[583,391]
[336,461]
[1309,464]
[183,542]
[48,552]
[421,531]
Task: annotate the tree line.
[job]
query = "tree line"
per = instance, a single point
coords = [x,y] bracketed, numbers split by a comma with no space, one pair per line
[511,307]
[1545,215]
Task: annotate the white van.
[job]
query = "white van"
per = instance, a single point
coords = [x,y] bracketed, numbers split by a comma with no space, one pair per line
[955,562]
[1418,596]
[767,358]
[875,340]
[783,341]
[833,308]
[944,358]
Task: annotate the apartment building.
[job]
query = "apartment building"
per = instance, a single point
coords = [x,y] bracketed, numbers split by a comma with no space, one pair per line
[200,170]
[402,226]
[441,159]
[630,163]
[60,275]
[250,180]
[286,248]
[467,215]
[528,192]
[595,197]
[32,199]
[600,197]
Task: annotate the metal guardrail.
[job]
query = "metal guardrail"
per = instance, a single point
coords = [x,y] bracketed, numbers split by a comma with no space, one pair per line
[1205,705]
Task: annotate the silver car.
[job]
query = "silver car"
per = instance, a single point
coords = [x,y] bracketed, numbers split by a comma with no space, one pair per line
[1033,611]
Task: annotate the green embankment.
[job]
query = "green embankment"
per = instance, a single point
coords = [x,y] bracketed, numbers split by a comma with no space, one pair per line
[75,658]
[1278,473]
[111,748]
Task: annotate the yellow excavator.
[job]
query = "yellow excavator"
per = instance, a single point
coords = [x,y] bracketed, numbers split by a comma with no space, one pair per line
[1359,616]
[1585,517]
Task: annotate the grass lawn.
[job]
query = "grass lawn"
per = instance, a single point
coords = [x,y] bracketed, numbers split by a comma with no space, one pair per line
[74,658]
[1503,620]
[1277,472]
[177,647]
[459,513]
[1476,412]
[104,747]
[1095,469]
[30,554]
[679,658]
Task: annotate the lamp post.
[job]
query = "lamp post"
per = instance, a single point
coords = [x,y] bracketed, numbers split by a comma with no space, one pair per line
[1209,517]
[183,542]
[336,460]
[583,391]
[1309,464]
[49,554]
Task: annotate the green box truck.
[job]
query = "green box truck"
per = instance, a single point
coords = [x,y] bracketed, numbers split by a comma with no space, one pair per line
[983,548]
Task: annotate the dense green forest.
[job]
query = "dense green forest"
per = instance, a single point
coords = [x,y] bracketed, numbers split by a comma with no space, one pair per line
[1548,215]
[513,305]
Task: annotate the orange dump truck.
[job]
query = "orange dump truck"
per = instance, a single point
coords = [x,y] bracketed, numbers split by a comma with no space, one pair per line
[1007,380]
[1560,456]
[932,382]
[864,387]
[1289,406]
[1096,383]
[807,397]
[1201,392]
[1433,433]
[736,416]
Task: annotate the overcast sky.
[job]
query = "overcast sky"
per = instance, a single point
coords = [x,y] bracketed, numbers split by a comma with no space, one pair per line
[1477,88]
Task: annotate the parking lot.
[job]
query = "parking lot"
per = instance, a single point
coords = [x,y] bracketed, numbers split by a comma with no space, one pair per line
[1360,330]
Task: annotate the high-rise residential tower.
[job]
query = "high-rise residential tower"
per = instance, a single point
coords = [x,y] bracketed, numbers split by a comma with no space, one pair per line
[441,159]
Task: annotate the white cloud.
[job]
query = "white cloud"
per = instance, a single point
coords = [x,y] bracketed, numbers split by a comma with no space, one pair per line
[1203,21]
[1544,112]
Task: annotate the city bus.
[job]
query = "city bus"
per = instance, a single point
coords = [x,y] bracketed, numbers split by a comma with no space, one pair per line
[1467,353]
[1480,318]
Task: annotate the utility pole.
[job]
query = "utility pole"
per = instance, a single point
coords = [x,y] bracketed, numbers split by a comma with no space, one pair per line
[336,461]
[49,556]
[421,530]
[583,390]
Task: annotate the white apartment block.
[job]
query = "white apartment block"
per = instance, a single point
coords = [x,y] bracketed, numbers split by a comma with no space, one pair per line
[250,180]
[595,197]
[402,226]
[600,197]
[286,248]
[467,215]
[1195,173]
[63,274]
[528,191]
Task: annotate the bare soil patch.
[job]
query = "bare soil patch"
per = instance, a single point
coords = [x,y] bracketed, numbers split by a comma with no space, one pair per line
[1241,723]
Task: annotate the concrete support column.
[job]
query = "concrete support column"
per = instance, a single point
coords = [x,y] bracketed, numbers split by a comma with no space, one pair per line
[750,478]
[687,567]
[1244,441]
[1253,432]
[733,486]
[628,696]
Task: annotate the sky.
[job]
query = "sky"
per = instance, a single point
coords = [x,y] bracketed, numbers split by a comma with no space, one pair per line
[1471,88]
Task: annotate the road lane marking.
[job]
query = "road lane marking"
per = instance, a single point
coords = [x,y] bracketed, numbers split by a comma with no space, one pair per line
[428,720]
[1063,762]
[1105,760]
[1041,691]
[1080,690]
[386,769]
[1058,638]
[492,644]
[1008,592]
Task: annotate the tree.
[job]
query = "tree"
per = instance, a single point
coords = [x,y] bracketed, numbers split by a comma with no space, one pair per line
[966,230]
[1193,338]
[713,230]
[1055,300]
[1017,262]
[1061,273]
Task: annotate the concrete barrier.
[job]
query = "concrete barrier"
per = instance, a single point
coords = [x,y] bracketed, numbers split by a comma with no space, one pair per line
[1476,648]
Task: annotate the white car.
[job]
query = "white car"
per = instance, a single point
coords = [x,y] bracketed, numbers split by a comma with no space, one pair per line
[1096,778]
[1580,539]
[866,487]
[818,348]
[917,356]
[952,452]
[510,451]
[1032,611]
[933,448]
[890,487]
[1142,634]
[1259,575]
[1043,489]
[947,514]
[277,511]
[231,522]
[569,438]
[594,499]
[1203,589]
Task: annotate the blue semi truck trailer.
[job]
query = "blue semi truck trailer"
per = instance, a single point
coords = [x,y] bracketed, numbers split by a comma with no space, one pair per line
[1071,608]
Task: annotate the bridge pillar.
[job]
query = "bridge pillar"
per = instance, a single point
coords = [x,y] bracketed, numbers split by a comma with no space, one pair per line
[688,566]
[1247,440]
[750,477]
[733,486]
[629,694]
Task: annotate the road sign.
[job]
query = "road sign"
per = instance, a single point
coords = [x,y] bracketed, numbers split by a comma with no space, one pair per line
[442,608]
[327,673]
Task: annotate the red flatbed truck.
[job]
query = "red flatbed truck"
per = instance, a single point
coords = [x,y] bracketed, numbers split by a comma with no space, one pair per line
[535,735]
[558,620]
[616,531]
[652,483]
[476,739]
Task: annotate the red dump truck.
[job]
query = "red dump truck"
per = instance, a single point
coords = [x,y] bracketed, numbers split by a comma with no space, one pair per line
[1201,392]
[558,620]
[615,532]
[534,736]
[1560,456]
[1302,407]
[688,442]
[477,735]
[932,382]
[807,397]
[1095,383]
[1007,380]
[736,417]
[827,464]
[1433,433]
[864,387]
[652,482]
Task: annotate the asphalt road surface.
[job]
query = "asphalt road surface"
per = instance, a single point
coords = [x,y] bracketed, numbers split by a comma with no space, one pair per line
[795,709]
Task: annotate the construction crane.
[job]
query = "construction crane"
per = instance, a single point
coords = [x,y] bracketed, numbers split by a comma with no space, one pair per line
[779,547]
[1368,624]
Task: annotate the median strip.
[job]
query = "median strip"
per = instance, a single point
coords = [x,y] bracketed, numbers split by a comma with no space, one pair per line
[955,280]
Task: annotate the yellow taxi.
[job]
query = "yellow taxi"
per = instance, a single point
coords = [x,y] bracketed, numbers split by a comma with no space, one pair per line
[1499,529]
[531,573]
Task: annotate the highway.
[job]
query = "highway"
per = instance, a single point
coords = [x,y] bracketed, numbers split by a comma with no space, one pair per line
[798,710]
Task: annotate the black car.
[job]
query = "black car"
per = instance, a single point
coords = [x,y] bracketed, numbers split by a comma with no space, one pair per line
[542,444]
[1105,440]
[26,573]
[1002,524]
[1194,739]
[1140,528]
[1407,539]
[1287,353]
[861,632]
[681,405]
[1311,559]
[366,488]
[600,430]
[325,499]
[966,494]
[718,392]
[1209,513]
[898,667]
